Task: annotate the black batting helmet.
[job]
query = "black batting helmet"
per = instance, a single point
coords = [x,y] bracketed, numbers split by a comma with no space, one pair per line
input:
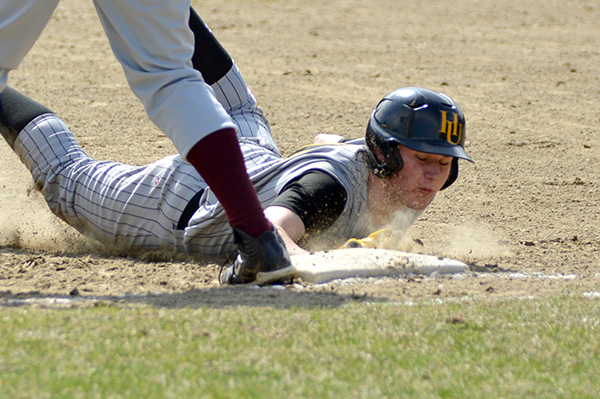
[420,119]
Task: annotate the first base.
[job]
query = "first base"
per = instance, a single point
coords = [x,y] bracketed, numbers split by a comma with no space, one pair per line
[320,267]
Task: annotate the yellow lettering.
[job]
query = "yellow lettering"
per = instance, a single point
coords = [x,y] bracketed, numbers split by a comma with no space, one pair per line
[452,129]
[444,122]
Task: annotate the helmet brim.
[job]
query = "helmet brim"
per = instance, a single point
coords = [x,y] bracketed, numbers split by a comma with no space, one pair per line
[434,148]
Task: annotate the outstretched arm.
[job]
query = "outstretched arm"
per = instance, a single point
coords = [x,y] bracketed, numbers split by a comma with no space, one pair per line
[326,138]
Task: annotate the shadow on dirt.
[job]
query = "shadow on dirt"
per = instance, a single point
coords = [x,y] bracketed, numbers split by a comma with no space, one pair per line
[489,268]
[215,297]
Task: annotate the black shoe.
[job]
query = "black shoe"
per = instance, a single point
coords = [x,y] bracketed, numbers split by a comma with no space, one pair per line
[260,260]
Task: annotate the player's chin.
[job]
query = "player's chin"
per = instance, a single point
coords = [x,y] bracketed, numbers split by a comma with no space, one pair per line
[421,202]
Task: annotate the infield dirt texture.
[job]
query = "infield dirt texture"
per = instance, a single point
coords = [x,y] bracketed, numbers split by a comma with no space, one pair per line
[526,215]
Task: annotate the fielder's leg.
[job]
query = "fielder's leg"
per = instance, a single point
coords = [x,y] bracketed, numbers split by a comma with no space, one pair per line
[220,72]
[21,23]
[261,249]
[154,44]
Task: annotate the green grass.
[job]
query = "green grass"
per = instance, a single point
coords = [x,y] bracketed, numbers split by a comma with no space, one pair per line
[508,349]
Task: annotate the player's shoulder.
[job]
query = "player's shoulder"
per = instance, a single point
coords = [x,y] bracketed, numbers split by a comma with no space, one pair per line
[344,145]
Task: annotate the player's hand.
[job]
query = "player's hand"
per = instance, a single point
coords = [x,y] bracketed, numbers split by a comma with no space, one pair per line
[325,138]
[373,240]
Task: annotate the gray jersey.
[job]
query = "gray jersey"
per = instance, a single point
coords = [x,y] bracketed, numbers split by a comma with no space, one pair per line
[343,162]
[142,206]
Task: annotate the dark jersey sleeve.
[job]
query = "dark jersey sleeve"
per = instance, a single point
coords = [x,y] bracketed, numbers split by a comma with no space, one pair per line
[316,197]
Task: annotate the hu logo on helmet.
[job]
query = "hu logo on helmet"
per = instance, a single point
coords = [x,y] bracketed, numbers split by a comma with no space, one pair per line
[451,128]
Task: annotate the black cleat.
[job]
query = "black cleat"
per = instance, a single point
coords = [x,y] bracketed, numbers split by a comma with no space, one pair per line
[260,260]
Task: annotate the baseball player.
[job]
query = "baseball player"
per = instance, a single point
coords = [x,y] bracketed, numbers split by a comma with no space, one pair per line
[153,42]
[337,189]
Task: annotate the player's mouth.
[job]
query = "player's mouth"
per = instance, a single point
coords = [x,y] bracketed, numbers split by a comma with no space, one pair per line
[425,191]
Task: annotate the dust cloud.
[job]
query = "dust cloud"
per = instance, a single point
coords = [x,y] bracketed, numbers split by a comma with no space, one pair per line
[26,222]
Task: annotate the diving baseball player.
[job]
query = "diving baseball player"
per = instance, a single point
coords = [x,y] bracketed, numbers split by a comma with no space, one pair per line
[336,191]
[153,42]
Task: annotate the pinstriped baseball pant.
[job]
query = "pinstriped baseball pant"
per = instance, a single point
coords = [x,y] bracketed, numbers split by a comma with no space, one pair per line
[117,203]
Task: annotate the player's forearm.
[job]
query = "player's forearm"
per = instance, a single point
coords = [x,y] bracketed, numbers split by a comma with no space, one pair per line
[290,227]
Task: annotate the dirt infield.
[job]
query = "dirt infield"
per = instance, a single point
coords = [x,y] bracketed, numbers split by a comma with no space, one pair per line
[526,215]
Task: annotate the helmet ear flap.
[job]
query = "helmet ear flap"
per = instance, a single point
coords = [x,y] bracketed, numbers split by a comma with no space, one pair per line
[453,174]
[392,162]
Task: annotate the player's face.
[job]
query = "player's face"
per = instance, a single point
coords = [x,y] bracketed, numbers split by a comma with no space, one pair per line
[419,180]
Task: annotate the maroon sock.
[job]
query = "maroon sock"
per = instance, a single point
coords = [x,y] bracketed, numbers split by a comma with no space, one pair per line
[218,159]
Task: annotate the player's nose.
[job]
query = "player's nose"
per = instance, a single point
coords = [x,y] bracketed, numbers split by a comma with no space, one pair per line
[432,171]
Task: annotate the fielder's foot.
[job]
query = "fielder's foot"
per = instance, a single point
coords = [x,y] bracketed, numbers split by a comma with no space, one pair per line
[261,260]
